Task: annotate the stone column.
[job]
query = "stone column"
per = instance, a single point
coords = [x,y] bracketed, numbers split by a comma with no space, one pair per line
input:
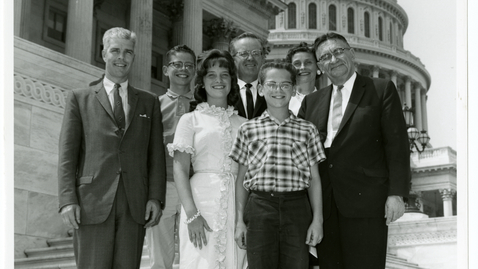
[408,92]
[141,23]
[177,31]
[393,78]
[424,111]
[176,15]
[192,25]
[79,31]
[376,71]
[447,196]
[21,9]
[418,107]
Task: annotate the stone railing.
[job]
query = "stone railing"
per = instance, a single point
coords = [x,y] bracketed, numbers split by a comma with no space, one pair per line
[434,156]
[39,93]
[422,232]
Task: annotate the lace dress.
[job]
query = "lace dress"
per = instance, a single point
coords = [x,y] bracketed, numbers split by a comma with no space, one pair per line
[207,134]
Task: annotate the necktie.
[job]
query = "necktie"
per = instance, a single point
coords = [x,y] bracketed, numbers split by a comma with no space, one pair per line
[118,109]
[249,101]
[337,109]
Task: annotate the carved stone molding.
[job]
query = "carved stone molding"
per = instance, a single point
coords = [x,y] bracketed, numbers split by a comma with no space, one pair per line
[39,92]
[422,238]
[447,194]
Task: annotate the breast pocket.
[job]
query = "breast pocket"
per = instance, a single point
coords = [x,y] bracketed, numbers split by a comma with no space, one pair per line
[257,151]
[300,158]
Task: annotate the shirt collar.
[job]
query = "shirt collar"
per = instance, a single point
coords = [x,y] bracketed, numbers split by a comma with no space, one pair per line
[174,95]
[266,115]
[242,83]
[109,85]
[349,84]
[301,94]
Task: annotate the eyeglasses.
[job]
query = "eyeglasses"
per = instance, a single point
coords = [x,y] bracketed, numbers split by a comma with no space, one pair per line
[337,53]
[285,86]
[180,65]
[245,54]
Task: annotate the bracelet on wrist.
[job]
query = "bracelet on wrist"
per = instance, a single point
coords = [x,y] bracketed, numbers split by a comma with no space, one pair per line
[193,217]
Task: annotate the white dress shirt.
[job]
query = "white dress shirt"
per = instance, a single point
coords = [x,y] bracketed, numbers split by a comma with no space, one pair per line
[346,92]
[242,91]
[296,102]
[123,92]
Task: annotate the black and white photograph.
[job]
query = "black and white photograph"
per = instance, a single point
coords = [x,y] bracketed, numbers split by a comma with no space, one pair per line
[238,134]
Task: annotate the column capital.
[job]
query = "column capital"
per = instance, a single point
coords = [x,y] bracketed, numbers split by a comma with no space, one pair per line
[447,194]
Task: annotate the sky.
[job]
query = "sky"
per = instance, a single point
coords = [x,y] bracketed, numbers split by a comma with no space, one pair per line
[430,36]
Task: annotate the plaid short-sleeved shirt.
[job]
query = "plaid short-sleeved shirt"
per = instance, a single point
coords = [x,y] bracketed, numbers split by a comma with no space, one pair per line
[278,155]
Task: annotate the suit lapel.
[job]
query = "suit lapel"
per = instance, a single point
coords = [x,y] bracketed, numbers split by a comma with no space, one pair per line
[103,99]
[132,101]
[324,107]
[260,104]
[240,108]
[357,93]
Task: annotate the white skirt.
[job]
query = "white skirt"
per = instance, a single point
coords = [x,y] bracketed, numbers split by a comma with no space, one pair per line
[213,194]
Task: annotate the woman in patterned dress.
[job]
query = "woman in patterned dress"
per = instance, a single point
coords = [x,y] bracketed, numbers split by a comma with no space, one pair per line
[204,138]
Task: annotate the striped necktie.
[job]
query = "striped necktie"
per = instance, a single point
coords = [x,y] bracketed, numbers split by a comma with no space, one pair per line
[118,109]
[337,108]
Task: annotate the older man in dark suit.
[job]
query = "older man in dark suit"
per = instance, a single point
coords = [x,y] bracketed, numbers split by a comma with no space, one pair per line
[111,163]
[367,171]
[249,54]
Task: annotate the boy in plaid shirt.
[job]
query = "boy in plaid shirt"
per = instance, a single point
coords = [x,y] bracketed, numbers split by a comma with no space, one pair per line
[278,156]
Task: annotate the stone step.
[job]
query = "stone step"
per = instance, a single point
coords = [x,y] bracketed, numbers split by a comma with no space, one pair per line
[54,242]
[59,255]
[395,262]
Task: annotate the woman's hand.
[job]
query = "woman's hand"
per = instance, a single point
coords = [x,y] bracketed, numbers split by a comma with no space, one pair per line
[240,234]
[197,233]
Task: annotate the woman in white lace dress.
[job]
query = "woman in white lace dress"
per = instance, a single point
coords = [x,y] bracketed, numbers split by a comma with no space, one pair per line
[204,138]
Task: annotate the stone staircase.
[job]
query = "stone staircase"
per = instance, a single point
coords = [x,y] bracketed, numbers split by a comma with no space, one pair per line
[59,255]
[394,262]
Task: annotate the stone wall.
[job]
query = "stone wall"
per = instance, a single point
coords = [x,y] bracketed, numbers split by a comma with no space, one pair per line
[430,243]
[42,80]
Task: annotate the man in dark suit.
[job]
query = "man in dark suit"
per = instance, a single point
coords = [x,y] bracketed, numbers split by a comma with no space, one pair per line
[249,54]
[111,171]
[367,171]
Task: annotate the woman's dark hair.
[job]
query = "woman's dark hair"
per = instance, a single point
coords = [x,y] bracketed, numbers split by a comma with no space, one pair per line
[221,58]
[302,47]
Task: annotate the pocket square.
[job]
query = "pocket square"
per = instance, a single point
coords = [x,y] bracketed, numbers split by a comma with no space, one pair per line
[143,116]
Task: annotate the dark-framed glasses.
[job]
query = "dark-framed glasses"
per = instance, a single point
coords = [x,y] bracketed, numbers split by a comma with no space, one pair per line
[336,52]
[180,65]
[245,53]
[285,86]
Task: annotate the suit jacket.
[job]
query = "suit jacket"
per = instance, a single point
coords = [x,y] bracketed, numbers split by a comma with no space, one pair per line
[92,156]
[369,158]
[259,107]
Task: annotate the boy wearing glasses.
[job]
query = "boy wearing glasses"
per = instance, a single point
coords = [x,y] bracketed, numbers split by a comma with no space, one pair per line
[278,156]
[180,70]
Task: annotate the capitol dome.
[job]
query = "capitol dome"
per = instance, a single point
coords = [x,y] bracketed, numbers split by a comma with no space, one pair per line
[373,28]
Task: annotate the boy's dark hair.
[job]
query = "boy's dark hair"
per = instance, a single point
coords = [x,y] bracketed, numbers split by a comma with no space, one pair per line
[277,65]
[328,36]
[223,59]
[302,47]
[180,48]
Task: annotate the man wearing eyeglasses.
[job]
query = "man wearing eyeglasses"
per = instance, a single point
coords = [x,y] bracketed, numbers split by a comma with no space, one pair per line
[249,54]
[367,171]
